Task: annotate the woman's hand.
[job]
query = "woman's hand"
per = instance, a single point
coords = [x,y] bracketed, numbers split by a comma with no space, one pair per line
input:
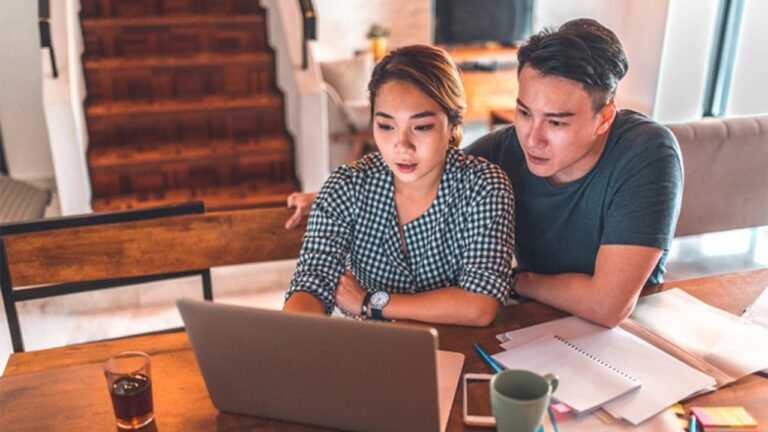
[303,203]
[349,294]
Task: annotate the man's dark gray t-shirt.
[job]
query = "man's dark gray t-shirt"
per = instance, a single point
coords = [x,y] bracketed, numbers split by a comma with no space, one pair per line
[630,197]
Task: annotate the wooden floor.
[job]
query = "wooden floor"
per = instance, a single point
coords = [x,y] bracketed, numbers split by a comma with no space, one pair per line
[182,105]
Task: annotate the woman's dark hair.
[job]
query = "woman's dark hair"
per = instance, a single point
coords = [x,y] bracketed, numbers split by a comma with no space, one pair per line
[581,50]
[432,70]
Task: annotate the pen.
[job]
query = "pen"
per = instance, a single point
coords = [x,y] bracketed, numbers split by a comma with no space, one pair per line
[498,368]
[488,359]
[692,424]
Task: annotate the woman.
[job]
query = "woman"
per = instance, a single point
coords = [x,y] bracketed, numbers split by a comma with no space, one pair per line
[419,230]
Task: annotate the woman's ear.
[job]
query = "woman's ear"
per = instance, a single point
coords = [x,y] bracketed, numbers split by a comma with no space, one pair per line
[457,132]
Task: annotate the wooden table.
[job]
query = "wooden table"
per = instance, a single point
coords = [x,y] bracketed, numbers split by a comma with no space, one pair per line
[64,389]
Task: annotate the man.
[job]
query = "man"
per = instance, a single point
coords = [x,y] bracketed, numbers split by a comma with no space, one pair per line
[598,190]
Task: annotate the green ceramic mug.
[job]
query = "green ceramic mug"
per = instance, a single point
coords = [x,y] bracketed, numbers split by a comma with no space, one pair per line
[519,399]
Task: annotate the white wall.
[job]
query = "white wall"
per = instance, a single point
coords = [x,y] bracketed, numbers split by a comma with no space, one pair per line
[749,90]
[63,102]
[343,24]
[25,136]
[639,24]
[305,101]
[685,60]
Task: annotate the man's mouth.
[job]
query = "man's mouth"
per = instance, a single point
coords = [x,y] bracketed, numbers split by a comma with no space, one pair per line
[537,160]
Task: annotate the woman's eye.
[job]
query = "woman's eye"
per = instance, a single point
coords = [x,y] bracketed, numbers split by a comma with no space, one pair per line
[383,126]
[523,112]
[423,128]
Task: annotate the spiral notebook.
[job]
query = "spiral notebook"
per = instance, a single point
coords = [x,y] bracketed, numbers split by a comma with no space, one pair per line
[586,381]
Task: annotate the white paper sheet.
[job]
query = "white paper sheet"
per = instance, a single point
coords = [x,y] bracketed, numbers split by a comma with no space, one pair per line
[665,379]
[736,347]
[757,313]
[586,381]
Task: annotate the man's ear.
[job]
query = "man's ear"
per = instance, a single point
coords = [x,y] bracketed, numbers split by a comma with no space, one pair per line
[607,115]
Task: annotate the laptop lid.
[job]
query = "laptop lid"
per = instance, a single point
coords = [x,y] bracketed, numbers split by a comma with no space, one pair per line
[316,370]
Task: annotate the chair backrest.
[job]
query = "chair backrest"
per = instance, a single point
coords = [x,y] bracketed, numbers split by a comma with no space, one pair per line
[118,251]
[726,174]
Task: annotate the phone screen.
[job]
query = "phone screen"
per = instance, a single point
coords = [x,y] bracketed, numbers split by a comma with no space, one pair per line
[477,400]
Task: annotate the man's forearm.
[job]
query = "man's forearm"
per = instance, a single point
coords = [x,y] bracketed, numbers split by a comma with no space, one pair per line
[608,296]
[577,294]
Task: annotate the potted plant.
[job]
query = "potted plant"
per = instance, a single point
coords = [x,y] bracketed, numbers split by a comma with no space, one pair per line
[378,34]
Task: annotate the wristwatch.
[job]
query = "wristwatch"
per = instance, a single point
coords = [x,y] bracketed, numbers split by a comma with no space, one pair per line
[364,308]
[379,299]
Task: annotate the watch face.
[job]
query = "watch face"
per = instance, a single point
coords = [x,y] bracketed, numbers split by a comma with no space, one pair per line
[379,299]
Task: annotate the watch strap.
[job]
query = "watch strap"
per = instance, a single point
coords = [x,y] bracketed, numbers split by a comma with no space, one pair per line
[366,302]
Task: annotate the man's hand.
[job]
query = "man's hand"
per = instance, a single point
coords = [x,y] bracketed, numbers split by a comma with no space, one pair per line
[349,294]
[303,203]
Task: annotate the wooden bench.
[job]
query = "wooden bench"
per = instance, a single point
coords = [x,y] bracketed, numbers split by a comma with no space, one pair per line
[59,259]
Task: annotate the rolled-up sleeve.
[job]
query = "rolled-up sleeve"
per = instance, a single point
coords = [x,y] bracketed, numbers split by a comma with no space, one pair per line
[489,241]
[326,247]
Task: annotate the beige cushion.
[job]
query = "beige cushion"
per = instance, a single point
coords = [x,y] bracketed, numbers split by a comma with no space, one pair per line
[726,174]
[20,201]
[349,77]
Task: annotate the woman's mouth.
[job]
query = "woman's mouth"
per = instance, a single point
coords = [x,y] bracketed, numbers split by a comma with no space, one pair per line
[406,168]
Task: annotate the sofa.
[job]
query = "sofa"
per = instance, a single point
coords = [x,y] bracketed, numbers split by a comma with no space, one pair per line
[726,174]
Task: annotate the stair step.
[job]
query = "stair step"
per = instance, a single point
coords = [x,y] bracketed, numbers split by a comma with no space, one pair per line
[107,8]
[181,20]
[176,36]
[200,59]
[189,152]
[205,119]
[246,195]
[181,165]
[157,78]
[211,103]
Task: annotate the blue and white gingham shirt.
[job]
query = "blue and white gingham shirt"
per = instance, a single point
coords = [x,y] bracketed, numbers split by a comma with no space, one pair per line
[465,239]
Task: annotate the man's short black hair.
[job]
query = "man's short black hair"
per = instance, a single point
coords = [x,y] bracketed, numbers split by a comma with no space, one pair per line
[581,50]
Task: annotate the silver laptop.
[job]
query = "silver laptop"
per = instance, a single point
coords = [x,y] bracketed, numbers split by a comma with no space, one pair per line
[330,372]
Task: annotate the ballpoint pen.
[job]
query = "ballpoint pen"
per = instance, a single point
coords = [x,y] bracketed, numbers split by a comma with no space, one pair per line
[498,368]
[488,359]
[692,426]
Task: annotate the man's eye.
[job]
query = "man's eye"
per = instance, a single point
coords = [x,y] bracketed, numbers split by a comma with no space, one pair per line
[556,123]
[383,126]
[523,112]
[423,128]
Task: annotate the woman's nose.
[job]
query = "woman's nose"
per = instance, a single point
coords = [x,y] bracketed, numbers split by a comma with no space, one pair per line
[404,144]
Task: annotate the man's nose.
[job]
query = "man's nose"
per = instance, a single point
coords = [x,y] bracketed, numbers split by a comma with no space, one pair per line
[536,137]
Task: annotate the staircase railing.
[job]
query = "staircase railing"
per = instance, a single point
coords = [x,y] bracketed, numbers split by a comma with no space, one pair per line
[309,17]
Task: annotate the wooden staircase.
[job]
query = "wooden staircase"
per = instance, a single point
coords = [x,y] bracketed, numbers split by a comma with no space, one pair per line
[182,105]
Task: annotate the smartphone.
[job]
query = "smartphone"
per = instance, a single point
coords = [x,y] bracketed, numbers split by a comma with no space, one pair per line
[477,400]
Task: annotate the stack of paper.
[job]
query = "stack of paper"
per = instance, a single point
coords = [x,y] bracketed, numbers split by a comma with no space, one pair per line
[665,380]
[723,340]
[716,419]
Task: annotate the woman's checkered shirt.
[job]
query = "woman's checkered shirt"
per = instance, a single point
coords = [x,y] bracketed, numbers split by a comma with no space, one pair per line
[465,239]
